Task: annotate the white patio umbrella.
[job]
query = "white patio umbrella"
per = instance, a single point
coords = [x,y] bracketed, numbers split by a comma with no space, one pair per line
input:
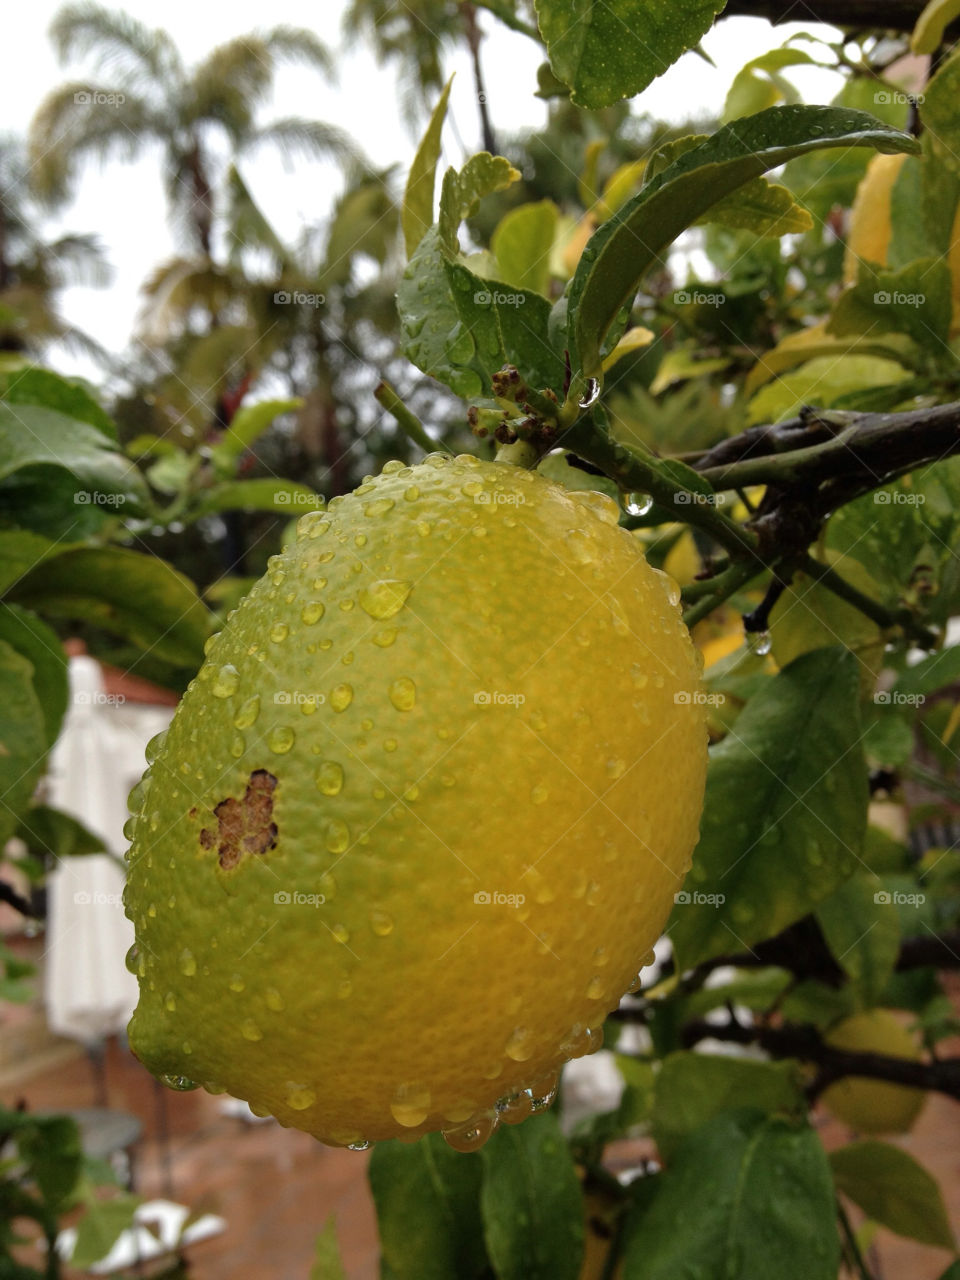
[95,762]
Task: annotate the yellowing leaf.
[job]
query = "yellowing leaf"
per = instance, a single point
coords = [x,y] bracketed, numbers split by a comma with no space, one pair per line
[619,187]
[807,344]
[678,366]
[932,23]
[632,340]
[868,239]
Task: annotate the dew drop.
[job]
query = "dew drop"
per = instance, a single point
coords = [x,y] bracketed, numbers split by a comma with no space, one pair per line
[601,504]
[403,693]
[759,642]
[341,933]
[344,989]
[515,1107]
[300,1096]
[411,1104]
[170,1002]
[384,639]
[274,1000]
[280,739]
[544,1091]
[132,959]
[580,547]
[279,632]
[330,778]
[250,1031]
[539,794]
[312,525]
[520,1046]
[328,886]
[411,493]
[596,988]
[237,983]
[363,1145]
[637,504]
[182,1084]
[188,962]
[616,768]
[152,749]
[248,713]
[472,1135]
[341,696]
[337,836]
[237,746]
[383,599]
[591,393]
[312,612]
[379,507]
[381,924]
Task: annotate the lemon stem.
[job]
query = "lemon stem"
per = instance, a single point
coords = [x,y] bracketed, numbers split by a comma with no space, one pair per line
[519,454]
[408,422]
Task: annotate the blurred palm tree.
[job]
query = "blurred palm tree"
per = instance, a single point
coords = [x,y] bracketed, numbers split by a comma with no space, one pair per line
[34,270]
[149,96]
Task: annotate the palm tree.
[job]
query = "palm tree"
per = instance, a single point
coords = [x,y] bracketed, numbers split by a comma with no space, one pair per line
[33,270]
[147,94]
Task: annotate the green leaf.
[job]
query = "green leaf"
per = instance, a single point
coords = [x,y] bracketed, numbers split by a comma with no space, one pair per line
[417,215]
[930,674]
[915,301]
[932,23]
[757,85]
[808,616]
[282,497]
[888,737]
[50,1146]
[139,597]
[249,422]
[823,382]
[327,1264]
[863,934]
[428,1212]
[756,989]
[461,193]
[606,50]
[622,250]
[940,111]
[952,1272]
[32,436]
[100,1227]
[923,205]
[22,550]
[50,831]
[692,1088]
[461,329]
[522,243]
[784,814]
[681,364]
[746,1195]
[531,1202]
[23,743]
[68,396]
[41,646]
[894,1190]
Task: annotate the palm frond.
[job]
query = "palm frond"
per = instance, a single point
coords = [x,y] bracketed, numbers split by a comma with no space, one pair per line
[296,44]
[75,259]
[176,291]
[229,84]
[311,138]
[247,228]
[80,121]
[365,223]
[122,46]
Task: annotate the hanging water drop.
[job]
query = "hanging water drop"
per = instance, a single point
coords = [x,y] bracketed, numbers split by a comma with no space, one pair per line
[637,504]
[759,642]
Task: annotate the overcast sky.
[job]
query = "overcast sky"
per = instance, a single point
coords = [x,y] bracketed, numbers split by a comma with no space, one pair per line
[124,204]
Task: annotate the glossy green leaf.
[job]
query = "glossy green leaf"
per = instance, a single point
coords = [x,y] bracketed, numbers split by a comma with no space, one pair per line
[862,931]
[139,597]
[461,329]
[893,1189]
[34,640]
[531,1202]
[692,1088]
[427,1198]
[100,1227]
[626,246]
[522,243]
[32,437]
[50,1146]
[327,1263]
[417,215]
[823,382]
[784,814]
[940,111]
[22,550]
[50,831]
[747,1195]
[930,26]
[923,205]
[915,301]
[758,85]
[606,50]
[69,396]
[249,422]
[461,193]
[282,497]
[23,741]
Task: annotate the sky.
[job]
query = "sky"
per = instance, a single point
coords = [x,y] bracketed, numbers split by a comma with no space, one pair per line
[123,203]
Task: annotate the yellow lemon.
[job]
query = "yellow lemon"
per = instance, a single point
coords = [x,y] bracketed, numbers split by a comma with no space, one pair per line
[421,815]
[867,1105]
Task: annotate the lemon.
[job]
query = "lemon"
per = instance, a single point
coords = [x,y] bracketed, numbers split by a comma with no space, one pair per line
[867,1105]
[419,819]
